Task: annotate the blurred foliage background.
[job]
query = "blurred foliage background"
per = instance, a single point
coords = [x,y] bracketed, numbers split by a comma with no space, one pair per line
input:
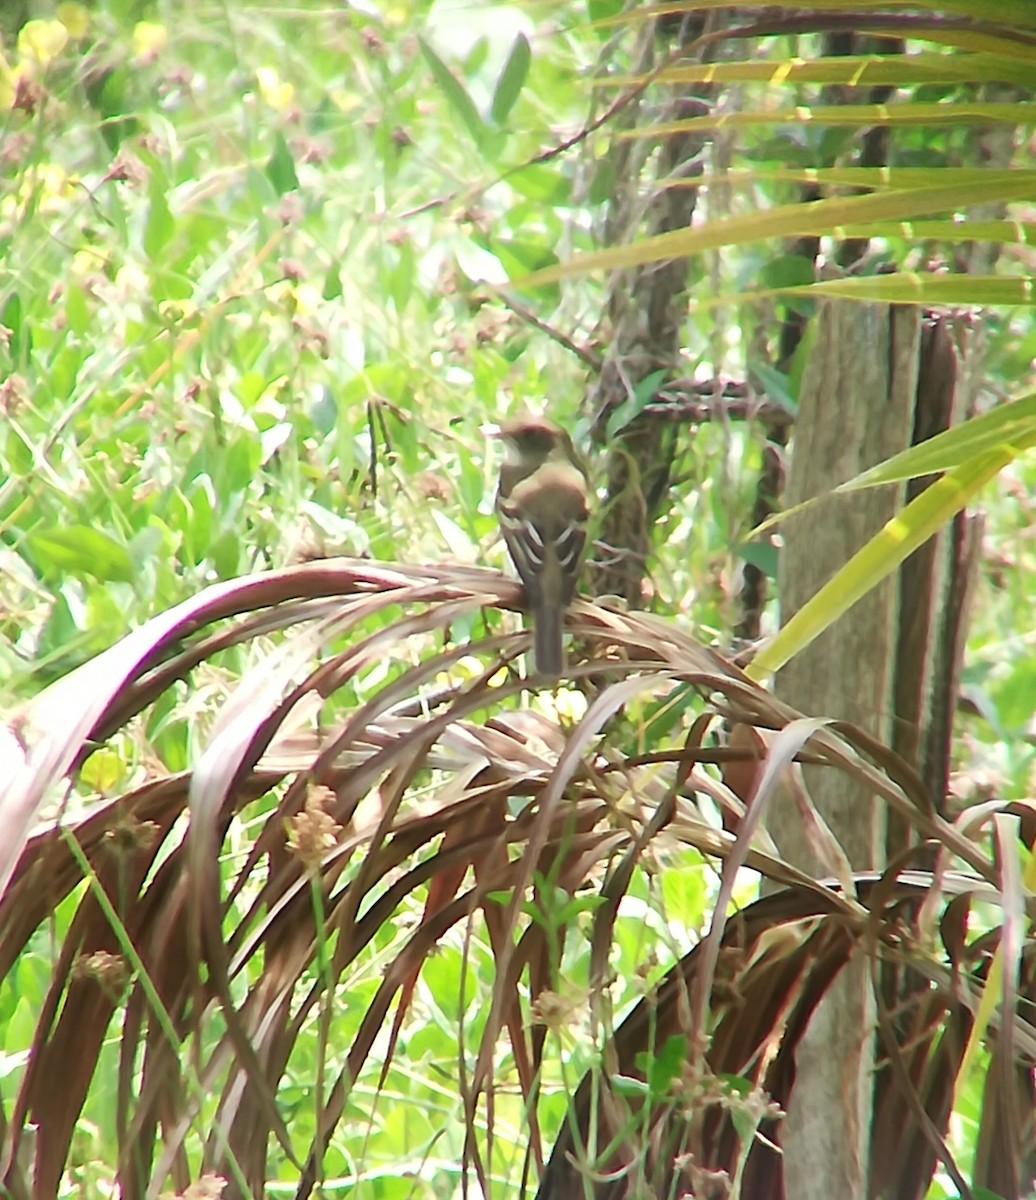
[256,302]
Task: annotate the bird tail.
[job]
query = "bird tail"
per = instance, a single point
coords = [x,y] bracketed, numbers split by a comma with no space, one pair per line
[549,652]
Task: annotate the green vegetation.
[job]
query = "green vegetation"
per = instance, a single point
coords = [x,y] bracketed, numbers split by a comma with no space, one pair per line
[253,317]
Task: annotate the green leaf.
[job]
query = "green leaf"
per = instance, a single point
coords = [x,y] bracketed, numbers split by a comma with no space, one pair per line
[602,12]
[104,770]
[893,543]
[1020,233]
[239,462]
[627,1085]
[332,282]
[762,556]
[910,287]
[401,277]
[455,93]
[160,225]
[77,311]
[790,220]
[65,368]
[542,183]
[889,179]
[225,554]
[18,453]
[855,70]
[643,394]
[777,385]
[475,59]
[80,550]
[12,318]
[519,256]
[1008,12]
[1008,425]
[512,79]
[1014,696]
[602,186]
[458,543]
[280,167]
[323,411]
[662,716]
[109,93]
[787,271]
[19,1027]
[199,520]
[662,1068]
[930,115]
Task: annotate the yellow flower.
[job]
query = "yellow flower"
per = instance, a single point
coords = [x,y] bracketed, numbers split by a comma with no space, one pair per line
[149,39]
[307,299]
[43,188]
[466,669]
[346,102]
[75,19]
[274,91]
[40,42]
[280,295]
[86,263]
[565,704]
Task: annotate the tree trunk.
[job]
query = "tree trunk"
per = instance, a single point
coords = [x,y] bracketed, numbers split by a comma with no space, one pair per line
[855,409]
[874,374]
[645,310]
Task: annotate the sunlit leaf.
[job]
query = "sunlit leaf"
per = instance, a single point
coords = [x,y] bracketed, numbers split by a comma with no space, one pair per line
[788,220]
[1009,12]
[332,282]
[18,453]
[160,225]
[908,113]
[1005,426]
[898,539]
[80,550]
[854,70]
[642,395]
[512,79]
[280,167]
[455,92]
[911,288]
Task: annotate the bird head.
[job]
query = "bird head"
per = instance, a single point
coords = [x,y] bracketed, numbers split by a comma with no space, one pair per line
[531,441]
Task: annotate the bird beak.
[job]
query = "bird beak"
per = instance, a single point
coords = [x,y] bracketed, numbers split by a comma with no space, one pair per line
[490,429]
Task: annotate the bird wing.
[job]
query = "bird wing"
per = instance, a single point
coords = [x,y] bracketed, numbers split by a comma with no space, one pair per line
[545,538]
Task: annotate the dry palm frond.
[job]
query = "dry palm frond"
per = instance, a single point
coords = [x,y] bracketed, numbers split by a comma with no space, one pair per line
[359,778]
[710,1125]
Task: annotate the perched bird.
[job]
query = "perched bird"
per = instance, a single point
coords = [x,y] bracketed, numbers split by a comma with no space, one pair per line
[542,508]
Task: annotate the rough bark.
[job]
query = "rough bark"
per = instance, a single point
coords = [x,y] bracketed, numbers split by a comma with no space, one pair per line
[645,311]
[855,409]
[879,380]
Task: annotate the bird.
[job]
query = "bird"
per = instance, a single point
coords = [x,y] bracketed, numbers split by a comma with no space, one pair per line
[542,507]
